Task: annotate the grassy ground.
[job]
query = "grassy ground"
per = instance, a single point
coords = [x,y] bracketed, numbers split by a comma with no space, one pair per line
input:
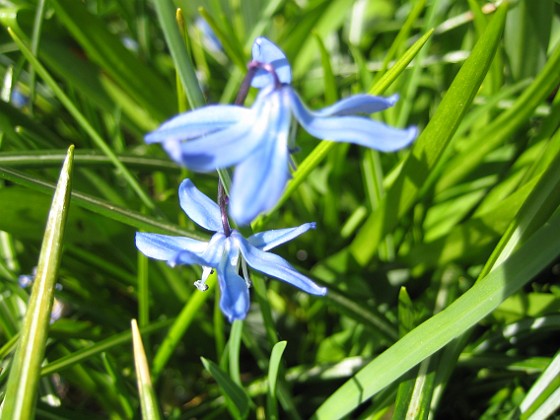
[441,260]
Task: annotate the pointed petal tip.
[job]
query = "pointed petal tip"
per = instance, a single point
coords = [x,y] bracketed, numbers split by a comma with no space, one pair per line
[393,99]
[412,132]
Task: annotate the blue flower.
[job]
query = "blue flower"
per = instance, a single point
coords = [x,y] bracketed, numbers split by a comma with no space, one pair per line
[226,253]
[256,139]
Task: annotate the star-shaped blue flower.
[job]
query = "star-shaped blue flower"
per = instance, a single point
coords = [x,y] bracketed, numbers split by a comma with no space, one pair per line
[256,139]
[226,252]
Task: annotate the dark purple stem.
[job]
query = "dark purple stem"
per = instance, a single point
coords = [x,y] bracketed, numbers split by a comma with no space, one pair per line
[222,202]
[253,67]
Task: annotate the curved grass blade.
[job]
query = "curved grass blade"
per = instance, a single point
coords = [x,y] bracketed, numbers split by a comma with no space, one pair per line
[238,402]
[429,147]
[273,369]
[485,296]
[22,386]
[148,400]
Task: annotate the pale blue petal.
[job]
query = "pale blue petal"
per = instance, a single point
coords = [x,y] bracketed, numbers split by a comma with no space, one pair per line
[164,247]
[356,104]
[200,122]
[276,266]
[200,209]
[272,238]
[234,300]
[211,256]
[358,130]
[259,180]
[265,51]
[229,146]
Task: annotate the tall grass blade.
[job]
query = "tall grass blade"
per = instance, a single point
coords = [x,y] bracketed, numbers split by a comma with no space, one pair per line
[22,386]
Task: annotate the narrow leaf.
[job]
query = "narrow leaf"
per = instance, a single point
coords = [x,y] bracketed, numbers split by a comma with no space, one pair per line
[273,369]
[22,386]
[181,58]
[148,400]
[234,394]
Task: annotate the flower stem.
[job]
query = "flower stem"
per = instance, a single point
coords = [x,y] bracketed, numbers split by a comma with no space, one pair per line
[222,202]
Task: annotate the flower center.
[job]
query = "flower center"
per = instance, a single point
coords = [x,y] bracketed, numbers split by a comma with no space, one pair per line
[253,67]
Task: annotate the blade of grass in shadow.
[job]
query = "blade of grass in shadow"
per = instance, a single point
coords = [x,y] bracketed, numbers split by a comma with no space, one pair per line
[431,143]
[101,207]
[238,402]
[82,121]
[479,301]
[22,385]
[148,400]
[99,347]
[324,147]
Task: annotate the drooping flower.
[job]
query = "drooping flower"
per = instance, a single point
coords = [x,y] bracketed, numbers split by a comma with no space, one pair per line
[226,251]
[256,138]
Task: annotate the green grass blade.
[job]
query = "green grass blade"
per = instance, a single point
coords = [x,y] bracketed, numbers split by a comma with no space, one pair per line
[180,326]
[528,33]
[331,94]
[393,73]
[429,147]
[148,400]
[183,63]
[84,157]
[436,332]
[534,402]
[236,397]
[273,369]
[22,386]
[234,347]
